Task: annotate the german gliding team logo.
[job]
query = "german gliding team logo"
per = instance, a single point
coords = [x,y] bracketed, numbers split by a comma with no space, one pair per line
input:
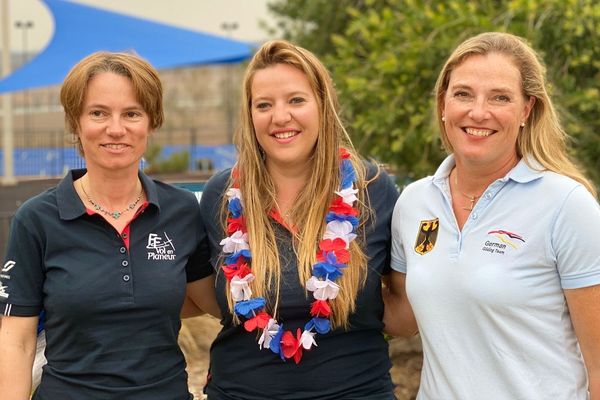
[427,236]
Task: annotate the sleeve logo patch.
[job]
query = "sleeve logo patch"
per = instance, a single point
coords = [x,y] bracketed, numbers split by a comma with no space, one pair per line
[3,293]
[8,266]
[427,236]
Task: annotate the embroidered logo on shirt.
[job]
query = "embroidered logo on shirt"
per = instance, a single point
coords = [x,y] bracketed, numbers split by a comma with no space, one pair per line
[502,241]
[3,293]
[428,231]
[160,248]
[8,266]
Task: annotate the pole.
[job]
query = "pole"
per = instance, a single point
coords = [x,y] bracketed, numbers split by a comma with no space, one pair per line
[7,117]
[229,27]
[25,26]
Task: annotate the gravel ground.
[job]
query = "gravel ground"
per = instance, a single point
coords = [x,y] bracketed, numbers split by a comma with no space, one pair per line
[198,333]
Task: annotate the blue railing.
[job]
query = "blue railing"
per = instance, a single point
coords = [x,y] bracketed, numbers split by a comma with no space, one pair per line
[55,161]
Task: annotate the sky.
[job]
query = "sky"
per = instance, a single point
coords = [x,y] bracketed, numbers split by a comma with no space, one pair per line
[200,15]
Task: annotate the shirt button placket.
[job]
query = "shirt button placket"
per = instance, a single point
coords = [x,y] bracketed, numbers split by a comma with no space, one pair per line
[125,263]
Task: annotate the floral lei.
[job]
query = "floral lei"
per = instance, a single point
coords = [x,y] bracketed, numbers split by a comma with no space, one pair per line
[332,257]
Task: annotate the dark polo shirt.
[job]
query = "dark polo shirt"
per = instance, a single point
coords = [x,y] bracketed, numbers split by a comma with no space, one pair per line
[112,301]
[352,364]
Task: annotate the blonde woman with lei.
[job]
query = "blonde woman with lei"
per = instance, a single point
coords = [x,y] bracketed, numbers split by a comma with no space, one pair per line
[500,246]
[299,233]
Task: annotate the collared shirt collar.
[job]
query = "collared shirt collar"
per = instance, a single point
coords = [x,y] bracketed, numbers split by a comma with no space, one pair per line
[70,205]
[526,170]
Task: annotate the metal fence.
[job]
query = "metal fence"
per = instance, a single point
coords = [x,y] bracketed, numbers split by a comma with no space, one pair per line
[49,154]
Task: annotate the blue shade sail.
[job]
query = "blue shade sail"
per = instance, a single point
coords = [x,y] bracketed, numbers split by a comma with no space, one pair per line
[80,30]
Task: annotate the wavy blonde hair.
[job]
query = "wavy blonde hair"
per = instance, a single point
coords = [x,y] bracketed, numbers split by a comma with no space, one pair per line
[310,208]
[542,137]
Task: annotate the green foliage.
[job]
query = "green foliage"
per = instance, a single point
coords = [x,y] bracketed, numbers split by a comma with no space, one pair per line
[385,57]
[176,162]
[311,23]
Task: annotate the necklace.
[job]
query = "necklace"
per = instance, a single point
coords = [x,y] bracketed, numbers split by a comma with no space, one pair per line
[472,199]
[114,214]
[332,257]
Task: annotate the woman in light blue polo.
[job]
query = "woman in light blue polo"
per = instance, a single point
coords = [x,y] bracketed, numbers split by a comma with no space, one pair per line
[500,247]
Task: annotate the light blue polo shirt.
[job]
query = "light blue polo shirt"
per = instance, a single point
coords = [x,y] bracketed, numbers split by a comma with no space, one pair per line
[489,300]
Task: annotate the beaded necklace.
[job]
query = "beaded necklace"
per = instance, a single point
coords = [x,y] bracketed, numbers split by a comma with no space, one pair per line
[115,214]
[333,256]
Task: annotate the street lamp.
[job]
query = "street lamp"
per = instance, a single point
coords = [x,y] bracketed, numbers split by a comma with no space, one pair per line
[229,27]
[25,26]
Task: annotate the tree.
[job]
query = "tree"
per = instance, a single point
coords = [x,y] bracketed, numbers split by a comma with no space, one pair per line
[312,23]
[387,58]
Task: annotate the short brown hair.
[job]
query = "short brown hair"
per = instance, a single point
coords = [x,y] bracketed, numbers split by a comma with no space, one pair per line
[144,78]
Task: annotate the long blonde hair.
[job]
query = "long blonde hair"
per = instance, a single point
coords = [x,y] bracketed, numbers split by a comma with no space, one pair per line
[543,137]
[310,208]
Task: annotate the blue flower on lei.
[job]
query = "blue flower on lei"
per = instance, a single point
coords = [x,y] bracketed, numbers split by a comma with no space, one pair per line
[321,325]
[248,308]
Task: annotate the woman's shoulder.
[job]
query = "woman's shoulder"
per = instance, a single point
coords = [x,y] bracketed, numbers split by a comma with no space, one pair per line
[169,194]
[217,183]
[43,203]
[418,186]
[376,175]
[556,188]
[558,183]
[381,188]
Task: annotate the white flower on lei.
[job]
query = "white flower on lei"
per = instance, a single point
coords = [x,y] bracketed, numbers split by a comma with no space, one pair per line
[307,340]
[234,193]
[236,242]
[322,290]
[240,290]
[348,195]
[339,229]
[267,335]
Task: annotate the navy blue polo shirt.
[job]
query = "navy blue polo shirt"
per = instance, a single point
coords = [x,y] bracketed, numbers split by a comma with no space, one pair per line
[346,364]
[112,301]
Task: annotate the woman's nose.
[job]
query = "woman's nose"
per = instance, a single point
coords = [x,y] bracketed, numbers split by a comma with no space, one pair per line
[281,114]
[479,110]
[115,126]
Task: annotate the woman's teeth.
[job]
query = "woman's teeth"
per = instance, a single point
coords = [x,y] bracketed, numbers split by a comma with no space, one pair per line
[479,132]
[285,135]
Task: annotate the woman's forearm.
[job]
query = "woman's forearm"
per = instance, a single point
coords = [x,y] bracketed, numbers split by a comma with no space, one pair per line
[17,351]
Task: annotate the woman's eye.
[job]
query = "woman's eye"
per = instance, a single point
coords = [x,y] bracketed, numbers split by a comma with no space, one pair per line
[96,113]
[461,94]
[133,114]
[262,106]
[297,100]
[502,98]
